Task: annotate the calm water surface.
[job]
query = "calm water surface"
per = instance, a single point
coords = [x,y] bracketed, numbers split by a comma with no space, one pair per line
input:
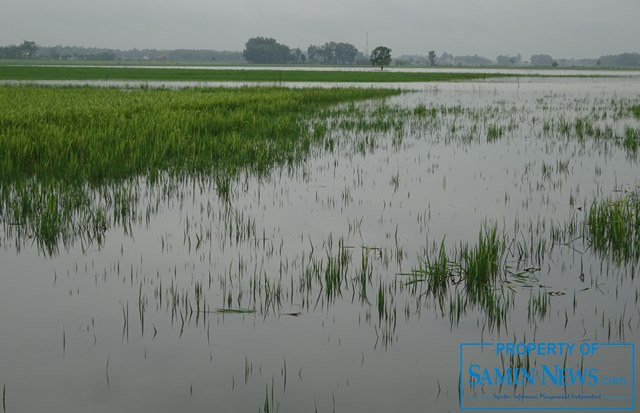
[200,302]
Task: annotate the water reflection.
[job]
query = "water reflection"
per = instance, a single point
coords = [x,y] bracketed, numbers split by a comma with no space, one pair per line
[344,280]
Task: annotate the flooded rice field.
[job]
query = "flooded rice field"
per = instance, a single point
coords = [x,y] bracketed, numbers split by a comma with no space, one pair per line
[424,236]
[522,71]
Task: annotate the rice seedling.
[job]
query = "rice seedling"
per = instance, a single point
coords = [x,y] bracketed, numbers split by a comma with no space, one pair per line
[494,132]
[482,264]
[631,140]
[538,307]
[614,227]
[437,271]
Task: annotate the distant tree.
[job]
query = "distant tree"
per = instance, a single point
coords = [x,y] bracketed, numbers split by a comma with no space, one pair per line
[296,56]
[313,54]
[503,60]
[620,60]
[554,64]
[9,52]
[333,53]
[446,59]
[26,50]
[541,60]
[345,53]
[474,60]
[432,57]
[361,59]
[266,51]
[381,56]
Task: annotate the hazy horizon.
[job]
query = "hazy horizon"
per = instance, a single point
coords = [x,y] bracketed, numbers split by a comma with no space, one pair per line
[570,29]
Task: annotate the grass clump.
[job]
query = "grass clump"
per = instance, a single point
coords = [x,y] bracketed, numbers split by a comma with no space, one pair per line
[614,227]
[482,263]
[631,139]
[477,266]
[495,132]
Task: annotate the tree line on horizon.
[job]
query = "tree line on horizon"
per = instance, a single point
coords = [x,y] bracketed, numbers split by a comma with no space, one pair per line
[268,51]
[78,53]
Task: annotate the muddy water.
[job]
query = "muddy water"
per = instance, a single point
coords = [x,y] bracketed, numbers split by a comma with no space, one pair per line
[208,300]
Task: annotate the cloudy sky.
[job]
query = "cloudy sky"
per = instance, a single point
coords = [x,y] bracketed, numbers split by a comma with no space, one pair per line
[562,28]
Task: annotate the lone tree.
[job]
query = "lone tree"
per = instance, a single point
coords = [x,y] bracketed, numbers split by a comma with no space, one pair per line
[266,50]
[432,57]
[381,56]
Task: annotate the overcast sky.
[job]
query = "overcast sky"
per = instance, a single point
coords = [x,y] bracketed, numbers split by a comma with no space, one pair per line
[562,28]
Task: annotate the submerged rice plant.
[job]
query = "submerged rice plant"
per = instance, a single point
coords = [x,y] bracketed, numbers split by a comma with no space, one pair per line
[614,227]
[477,268]
[482,263]
[72,156]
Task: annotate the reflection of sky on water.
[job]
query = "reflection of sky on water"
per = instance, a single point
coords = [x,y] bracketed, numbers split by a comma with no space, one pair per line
[71,321]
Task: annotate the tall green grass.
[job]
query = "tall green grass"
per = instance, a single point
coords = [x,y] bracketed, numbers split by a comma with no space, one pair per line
[92,134]
[483,262]
[477,268]
[614,227]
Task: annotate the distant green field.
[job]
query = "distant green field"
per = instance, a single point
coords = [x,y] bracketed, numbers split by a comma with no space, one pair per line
[182,74]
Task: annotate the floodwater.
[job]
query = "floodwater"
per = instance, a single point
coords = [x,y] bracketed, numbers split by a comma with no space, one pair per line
[488,69]
[613,81]
[210,300]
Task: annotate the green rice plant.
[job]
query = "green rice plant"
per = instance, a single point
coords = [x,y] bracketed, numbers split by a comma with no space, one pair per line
[538,306]
[495,132]
[365,273]
[436,270]
[631,140]
[478,268]
[614,227]
[93,134]
[72,158]
[336,270]
[482,263]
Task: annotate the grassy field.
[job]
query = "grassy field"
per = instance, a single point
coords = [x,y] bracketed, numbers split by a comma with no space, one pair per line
[57,143]
[96,134]
[181,74]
